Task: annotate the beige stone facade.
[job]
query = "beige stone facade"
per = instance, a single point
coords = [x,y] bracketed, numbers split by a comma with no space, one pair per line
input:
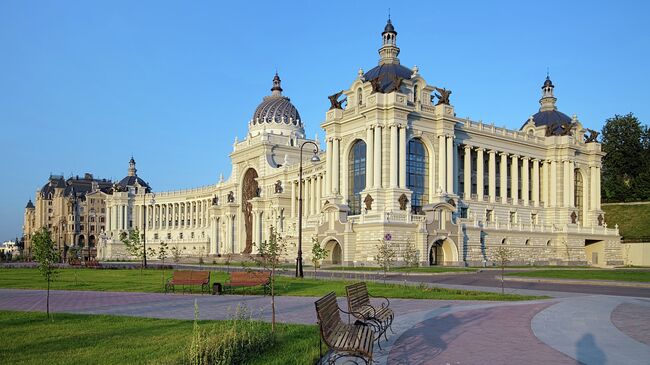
[397,165]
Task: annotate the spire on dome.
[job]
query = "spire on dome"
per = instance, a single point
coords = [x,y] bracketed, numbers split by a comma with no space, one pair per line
[547,102]
[132,170]
[389,51]
[277,88]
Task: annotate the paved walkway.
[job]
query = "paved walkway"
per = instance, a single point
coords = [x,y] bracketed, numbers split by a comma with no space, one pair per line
[587,329]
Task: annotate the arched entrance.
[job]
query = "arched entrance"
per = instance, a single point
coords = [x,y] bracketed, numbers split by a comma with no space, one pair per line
[250,190]
[335,252]
[443,252]
[81,240]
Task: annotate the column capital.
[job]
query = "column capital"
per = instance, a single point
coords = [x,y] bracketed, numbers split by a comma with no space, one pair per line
[492,152]
[503,154]
[525,158]
[514,156]
[480,149]
[467,147]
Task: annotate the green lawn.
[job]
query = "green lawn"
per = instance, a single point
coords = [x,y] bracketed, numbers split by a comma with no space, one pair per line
[151,281]
[425,269]
[620,275]
[632,220]
[98,339]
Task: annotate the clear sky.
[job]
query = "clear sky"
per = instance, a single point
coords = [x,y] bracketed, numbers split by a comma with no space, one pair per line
[85,84]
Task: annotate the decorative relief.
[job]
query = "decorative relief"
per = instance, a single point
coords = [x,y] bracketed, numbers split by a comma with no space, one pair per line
[403,200]
[368,201]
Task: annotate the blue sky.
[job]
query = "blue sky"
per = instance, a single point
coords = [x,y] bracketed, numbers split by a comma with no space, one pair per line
[85,84]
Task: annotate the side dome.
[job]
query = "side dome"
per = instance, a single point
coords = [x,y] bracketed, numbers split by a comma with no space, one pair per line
[276,114]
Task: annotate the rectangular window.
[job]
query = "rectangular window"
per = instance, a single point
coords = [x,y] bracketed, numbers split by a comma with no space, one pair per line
[169,236]
[155,236]
[463,212]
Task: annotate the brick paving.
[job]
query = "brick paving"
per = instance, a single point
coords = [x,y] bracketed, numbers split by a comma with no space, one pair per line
[633,320]
[498,335]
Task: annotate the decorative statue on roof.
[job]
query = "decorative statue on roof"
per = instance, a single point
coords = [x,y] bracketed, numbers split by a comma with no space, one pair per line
[230,197]
[278,187]
[335,102]
[368,201]
[215,200]
[376,85]
[117,188]
[403,200]
[566,128]
[443,96]
[592,136]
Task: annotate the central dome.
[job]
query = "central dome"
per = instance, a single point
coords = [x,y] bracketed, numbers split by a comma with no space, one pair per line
[276,113]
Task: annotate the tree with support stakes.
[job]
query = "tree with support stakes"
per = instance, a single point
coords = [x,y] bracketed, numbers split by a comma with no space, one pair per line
[133,245]
[47,256]
[502,256]
[271,253]
[318,254]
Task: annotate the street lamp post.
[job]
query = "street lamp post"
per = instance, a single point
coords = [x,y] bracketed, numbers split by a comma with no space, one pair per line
[144,224]
[314,159]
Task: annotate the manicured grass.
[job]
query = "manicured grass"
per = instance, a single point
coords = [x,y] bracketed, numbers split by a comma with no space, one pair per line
[617,274]
[99,339]
[151,281]
[632,220]
[426,269]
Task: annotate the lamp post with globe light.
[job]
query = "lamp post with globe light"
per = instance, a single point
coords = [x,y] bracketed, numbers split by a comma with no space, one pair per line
[314,159]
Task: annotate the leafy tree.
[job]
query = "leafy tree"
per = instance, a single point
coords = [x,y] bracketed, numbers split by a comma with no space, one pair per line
[318,253]
[47,257]
[176,254]
[271,253]
[411,254]
[502,256]
[133,245]
[162,255]
[625,175]
[385,254]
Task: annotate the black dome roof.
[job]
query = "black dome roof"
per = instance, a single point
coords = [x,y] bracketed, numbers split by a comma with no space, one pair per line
[387,74]
[131,180]
[553,118]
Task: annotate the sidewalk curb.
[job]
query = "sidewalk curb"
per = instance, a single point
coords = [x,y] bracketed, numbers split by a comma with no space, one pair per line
[572,281]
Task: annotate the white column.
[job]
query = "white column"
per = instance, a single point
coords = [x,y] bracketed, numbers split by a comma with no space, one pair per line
[479,174]
[492,176]
[255,230]
[553,184]
[503,167]
[566,188]
[394,148]
[525,169]
[336,166]
[370,158]
[402,157]
[535,196]
[467,173]
[592,190]
[432,175]
[545,185]
[572,184]
[598,187]
[317,202]
[305,197]
[314,180]
[378,146]
[328,181]
[442,151]
[293,199]
[451,165]
[514,179]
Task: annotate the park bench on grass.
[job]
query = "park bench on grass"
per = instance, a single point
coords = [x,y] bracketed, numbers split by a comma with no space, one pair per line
[344,340]
[74,262]
[92,263]
[380,318]
[249,279]
[189,278]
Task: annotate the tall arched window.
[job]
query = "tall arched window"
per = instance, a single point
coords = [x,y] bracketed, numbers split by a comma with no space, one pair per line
[415,93]
[356,176]
[359,96]
[417,175]
[578,193]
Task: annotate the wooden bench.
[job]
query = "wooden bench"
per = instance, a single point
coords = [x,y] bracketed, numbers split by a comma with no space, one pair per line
[92,263]
[381,318]
[344,340]
[74,262]
[240,279]
[189,278]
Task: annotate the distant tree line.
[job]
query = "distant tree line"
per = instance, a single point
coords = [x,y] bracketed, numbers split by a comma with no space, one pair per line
[626,167]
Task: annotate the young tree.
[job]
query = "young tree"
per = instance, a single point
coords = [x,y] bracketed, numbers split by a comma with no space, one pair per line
[411,255]
[162,255]
[176,254]
[47,257]
[318,254]
[133,245]
[502,256]
[385,254]
[271,253]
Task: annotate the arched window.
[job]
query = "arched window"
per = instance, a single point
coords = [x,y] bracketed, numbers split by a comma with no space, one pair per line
[578,193]
[356,176]
[359,97]
[415,93]
[417,175]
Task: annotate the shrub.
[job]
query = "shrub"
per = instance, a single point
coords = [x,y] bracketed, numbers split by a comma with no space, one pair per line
[236,342]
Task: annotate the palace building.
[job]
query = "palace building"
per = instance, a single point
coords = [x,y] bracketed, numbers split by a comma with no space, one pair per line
[399,167]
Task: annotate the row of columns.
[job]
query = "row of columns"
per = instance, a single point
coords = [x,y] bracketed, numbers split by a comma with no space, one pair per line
[313,191]
[185,214]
